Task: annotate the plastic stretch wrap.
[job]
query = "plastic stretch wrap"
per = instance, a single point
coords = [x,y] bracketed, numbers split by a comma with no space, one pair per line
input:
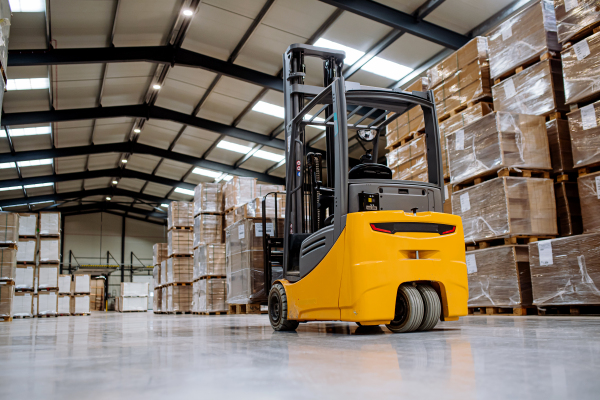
[134,289]
[211,295]
[24,277]
[239,190]
[523,38]
[179,298]
[47,303]
[164,298]
[209,260]
[263,190]
[156,275]
[566,270]
[80,304]
[180,270]
[499,276]
[568,209]
[5,20]
[229,218]
[506,206]
[537,90]
[49,223]
[163,272]
[23,304]
[133,303]
[28,224]
[581,70]
[181,242]
[559,140]
[447,198]
[208,197]
[585,135]
[574,16]
[7,293]
[475,49]
[47,276]
[157,300]
[409,162]
[64,304]
[589,197]
[49,249]
[27,249]
[8,264]
[208,229]
[495,141]
[64,284]
[9,228]
[160,252]
[80,284]
[180,214]
[253,209]
[244,261]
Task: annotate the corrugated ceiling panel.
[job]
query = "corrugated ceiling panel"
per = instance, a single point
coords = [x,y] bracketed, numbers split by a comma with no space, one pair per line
[195,142]
[463,15]
[66,165]
[145,23]
[27,31]
[82,23]
[142,162]
[103,161]
[156,189]
[159,133]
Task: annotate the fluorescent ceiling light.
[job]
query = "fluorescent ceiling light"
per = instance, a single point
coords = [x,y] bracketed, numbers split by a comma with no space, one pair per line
[267,155]
[238,148]
[7,165]
[27,5]
[124,161]
[115,182]
[38,130]
[279,112]
[137,130]
[42,202]
[37,185]
[27,84]
[34,163]
[207,172]
[352,55]
[224,177]
[11,188]
[156,87]
[386,68]
[184,191]
[188,13]
[164,205]
[108,198]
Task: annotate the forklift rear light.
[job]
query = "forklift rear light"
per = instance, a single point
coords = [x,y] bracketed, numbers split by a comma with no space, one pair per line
[395,227]
[449,231]
[379,229]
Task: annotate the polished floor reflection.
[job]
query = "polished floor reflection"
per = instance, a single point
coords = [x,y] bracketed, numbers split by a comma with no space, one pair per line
[141,355]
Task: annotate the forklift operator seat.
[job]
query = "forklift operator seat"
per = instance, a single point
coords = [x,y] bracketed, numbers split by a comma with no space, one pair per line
[370,171]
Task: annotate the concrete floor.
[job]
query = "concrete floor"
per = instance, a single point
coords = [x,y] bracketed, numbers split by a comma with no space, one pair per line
[146,356]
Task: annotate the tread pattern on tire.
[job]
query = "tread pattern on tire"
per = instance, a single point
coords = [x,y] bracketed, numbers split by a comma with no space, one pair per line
[433,307]
[416,310]
[285,324]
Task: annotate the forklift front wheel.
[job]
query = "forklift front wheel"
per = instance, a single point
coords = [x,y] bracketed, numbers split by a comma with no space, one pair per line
[409,310]
[278,310]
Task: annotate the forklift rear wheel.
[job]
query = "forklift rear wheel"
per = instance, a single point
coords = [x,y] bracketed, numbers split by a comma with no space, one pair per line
[409,310]
[278,310]
[433,307]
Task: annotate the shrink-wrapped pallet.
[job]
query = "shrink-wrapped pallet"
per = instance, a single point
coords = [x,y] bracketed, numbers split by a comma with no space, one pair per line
[160,252]
[47,276]
[24,278]
[566,271]
[8,264]
[133,303]
[134,289]
[163,272]
[179,298]
[80,304]
[589,197]
[263,190]
[180,269]
[447,207]
[238,190]
[23,304]
[475,49]
[506,206]
[208,229]
[523,38]
[498,140]
[156,275]
[585,135]
[49,249]
[537,90]
[211,295]
[64,284]
[47,303]
[559,141]
[574,16]
[499,277]
[63,304]
[568,209]
[49,223]
[180,214]
[229,218]
[28,224]
[581,70]
[80,284]
[157,300]
[181,242]
[253,209]
[409,162]
[209,260]
[208,197]
[7,293]
[9,228]
[164,300]
[27,249]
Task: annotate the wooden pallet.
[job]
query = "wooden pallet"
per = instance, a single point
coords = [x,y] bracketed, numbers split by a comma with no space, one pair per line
[132,311]
[22,316]
[569,310]
[489,175]
[47,316]
[588,169]
[514,311]
[177,312]
[210,312]
[12,246]
[245,309]
[565,177]
[24,290]
[6,319]
[212,277]
[80,314]
[44,290]
[542,57]
[180,284]
[517,239]
[181,228]
[48,262]
[63,315]
[457,110]
[180,255]
[584,33]
[27,237]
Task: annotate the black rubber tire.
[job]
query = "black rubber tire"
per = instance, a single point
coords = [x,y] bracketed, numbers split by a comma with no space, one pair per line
[409,310]
[278,310]
[433,307]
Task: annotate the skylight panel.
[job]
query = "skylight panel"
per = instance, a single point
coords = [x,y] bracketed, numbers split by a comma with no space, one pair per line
[184,191]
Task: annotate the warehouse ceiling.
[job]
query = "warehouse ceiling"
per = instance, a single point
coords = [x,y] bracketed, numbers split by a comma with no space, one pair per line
[125,105]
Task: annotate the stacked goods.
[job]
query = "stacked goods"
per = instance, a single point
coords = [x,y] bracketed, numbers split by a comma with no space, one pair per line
[498,140]
[409,162]
[573,17]
[566,271]
[23,304]
[589,195]
[163,272]
[180,214]
[47,304]
[180,270]
[48,264]
[499,277]
[408,123]
[24,278]
[160,252]
[50,224]
[263,190]
[28,224]
[181,242]
[524,38]
[8,264]
[179,298]
[210,295]
[568,209]
[179,267]
[157,300]
[585,135]
[27,251]
[9,239]
[47,277]
[164,300]
[64,305]
[559,141]
[97,294]
[134,296]
[209,260]
[80,284]
[505,207]
[80,295]
[64,294]
[581,69]
[238,191]
[209,290]
[208,228]
[253,209]
[208,198]
[156,276]
[9,229]
[7,293]
[64,284]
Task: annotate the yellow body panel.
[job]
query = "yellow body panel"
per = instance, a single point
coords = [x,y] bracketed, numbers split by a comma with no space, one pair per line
[359,278]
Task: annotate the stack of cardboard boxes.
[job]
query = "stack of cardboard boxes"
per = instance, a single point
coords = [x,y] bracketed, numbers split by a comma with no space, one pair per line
[134,297]
[180,264]
[9,238]
[160,253]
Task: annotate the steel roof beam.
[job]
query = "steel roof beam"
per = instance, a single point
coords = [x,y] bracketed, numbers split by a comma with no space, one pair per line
[427,8]
[112,206]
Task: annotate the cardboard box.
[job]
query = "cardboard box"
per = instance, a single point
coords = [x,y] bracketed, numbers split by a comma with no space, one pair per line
[566,271]
[499,277]
[239,190]
[581,70]
[80,304]
[559,140]
[506,206]
[28,223]
[262,190]
[63,304]
[160,252]
[9,228]
[180,269]
[7,293]
[49,249]
[24,278]
[475,49]
[49,223]
[27,249]
[134,289]
[133,303]
[165,300]
[585,138]
[80,284]
[523,38]
[208,229]
[163,272]
[23,304]
[8,264]
[209,260]
[574,17]
[181,242]
[156,275]
[498,140]
[208,197]
[253,209]
[589,197]
[180,214]
[409,162]
[157,300]
[179,298]
[447,208]
[47,276]
[64,284]
[568,209]
[47,303]
[210,295]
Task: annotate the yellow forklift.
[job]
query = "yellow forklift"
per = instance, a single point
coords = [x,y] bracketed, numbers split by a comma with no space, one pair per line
[356,245]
